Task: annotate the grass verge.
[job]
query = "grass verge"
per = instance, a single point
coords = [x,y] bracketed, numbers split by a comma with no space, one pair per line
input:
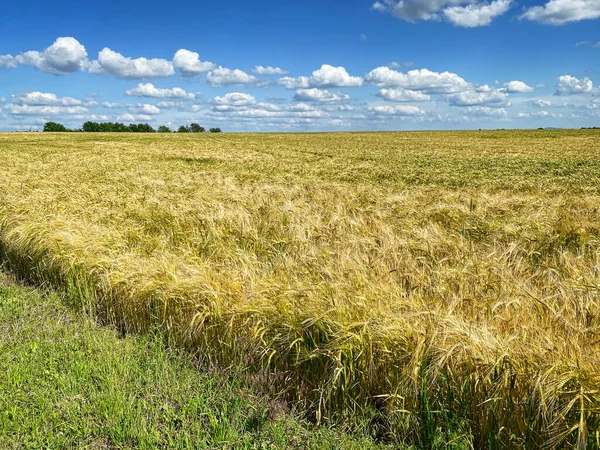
[68,383]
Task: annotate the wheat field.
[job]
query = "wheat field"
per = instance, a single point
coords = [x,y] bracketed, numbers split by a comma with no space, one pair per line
[427,280]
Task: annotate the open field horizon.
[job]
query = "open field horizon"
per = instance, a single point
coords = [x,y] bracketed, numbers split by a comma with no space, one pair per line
[432,280]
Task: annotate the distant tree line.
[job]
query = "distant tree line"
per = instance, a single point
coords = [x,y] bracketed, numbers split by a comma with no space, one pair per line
[117,127]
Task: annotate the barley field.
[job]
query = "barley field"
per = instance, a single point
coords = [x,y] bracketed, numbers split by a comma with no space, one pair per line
[431,282]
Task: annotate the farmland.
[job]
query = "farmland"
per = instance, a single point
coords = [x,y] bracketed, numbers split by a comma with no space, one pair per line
[428,281]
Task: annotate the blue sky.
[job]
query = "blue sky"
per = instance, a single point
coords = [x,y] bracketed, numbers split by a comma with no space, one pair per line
[302,65]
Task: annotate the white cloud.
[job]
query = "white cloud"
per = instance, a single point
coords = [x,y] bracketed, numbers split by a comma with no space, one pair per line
[223,76]
[44,99]
[326,76]
[300,107]
[110,105]
[568,85]
[95,117]
[8,61]
[43,110]
[294,83]
[580,43]
[236,99]
[343,108]
[330,76]
[269,70]
[167,104]
[486,111]
[363,37]
[484,95]
[560,12]
[149,90]
[396,110]
[418,80]
[535,115]
[478,14]
[514,87]
[259,112]
[145,109]
[189,63]
[319,95]
[64,56]
[244,107]
[464,13]
[134,118]
[539,103]
[402,95]
[113,63]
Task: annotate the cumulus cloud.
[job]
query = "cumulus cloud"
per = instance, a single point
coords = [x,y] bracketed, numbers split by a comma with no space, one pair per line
[151,91]
[269,70]
[222,76]
[464,13]
[44,99]
[478,14]
[568,85]
[43,110]
[111,105]
[484,95]
[486,111]
[236,99]
[145,108]
[294,83]
[418,80]
[396,110]
[326,76]
[260,111]
[113,63]
[8,61]
[319,95]
[244,107]
[168,104]
[189,63]
[330,76]
[64,56]
[560,12]
[539,103]
[514,87]
[134,118]
[402,95]
[535,115]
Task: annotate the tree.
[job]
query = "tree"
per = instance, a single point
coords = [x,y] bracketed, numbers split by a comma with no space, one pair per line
[142,128]
[164,129]
[215,130]
[195,128]
[183,129]
[117,127]
[90,127]
[54,127]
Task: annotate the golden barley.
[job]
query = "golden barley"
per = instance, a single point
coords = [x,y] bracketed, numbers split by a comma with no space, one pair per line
[437,277]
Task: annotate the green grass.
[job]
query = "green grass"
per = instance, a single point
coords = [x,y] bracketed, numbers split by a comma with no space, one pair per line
[68,383]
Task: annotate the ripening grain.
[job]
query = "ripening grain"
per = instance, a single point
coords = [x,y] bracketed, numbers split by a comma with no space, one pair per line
[441,278]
